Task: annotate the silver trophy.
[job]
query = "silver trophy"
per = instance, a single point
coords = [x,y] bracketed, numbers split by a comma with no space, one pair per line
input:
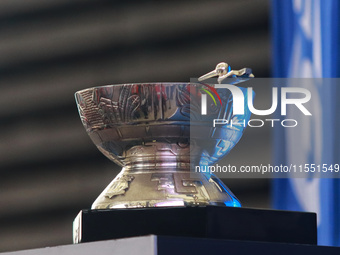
[157,133]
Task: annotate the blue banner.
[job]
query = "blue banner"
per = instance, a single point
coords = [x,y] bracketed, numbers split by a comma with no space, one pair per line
[306,44]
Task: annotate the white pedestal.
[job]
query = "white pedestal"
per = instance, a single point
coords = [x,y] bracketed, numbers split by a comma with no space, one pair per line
[162,245]
[145,245]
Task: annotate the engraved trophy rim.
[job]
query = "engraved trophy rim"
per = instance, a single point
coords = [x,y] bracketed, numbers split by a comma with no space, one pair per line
[137,83]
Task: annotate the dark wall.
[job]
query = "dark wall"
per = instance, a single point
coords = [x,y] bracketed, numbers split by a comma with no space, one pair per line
[49,49]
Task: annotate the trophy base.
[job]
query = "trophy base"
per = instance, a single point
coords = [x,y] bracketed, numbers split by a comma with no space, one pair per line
[203,222]
[163,188]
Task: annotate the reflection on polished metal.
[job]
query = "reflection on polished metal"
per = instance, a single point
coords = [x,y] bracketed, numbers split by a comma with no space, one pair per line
[223,71]
[156,133]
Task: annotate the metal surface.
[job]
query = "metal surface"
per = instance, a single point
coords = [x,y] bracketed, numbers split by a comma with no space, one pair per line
[157,134]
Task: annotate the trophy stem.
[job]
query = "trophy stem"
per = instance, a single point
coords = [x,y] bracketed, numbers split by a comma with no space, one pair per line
[157,183]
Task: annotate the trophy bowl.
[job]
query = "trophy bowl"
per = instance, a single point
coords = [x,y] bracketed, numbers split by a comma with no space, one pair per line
[157,133]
